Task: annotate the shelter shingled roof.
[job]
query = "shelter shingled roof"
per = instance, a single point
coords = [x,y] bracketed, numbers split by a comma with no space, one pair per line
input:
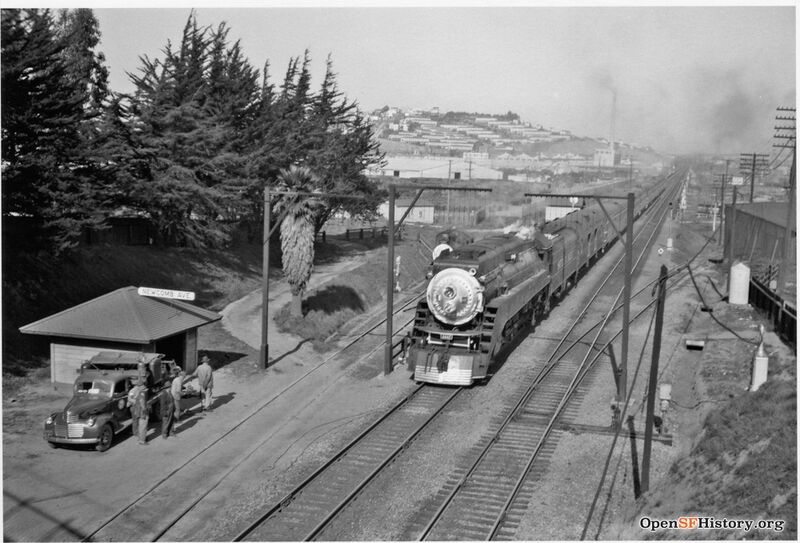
[123,315]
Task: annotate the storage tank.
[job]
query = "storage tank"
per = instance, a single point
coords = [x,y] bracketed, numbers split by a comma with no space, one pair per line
[740,284]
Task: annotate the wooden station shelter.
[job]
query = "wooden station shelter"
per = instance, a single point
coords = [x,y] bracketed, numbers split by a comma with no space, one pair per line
[123,321]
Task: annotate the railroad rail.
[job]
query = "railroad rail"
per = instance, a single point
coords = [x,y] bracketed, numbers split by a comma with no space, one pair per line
[488,498]
[305,511]
[368,454]
[117,523]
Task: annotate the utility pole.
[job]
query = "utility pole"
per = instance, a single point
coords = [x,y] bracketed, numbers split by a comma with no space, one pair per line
[263,357]
[788,133]
[755,162]
[731,240]
[630,172]
[721,177]
[387,366]
[722,207]
[651,389]
[626,307]
[447,215]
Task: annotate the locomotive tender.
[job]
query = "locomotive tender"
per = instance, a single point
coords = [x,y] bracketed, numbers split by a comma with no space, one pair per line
[481,294]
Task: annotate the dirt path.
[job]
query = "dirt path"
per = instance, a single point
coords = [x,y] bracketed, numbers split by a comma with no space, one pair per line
[242,318]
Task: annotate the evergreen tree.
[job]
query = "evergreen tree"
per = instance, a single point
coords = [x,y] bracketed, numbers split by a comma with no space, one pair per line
[190,110]
[343,149]
[49,102]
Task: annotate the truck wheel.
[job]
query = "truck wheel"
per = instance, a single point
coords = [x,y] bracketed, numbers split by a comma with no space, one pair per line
[106,437]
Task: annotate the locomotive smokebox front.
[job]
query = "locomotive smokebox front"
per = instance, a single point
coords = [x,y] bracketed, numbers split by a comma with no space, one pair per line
[455,296]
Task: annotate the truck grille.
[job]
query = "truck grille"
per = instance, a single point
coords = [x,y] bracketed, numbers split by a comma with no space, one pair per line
[60,429]
[75,430]
[71,417]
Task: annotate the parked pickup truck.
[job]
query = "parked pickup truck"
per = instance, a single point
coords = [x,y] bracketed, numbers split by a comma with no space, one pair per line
[99,410]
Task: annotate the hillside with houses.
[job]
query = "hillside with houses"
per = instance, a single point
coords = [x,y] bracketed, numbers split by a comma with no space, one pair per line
[459,145]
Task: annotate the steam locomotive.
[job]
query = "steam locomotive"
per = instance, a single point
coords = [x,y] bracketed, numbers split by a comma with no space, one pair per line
[481,294]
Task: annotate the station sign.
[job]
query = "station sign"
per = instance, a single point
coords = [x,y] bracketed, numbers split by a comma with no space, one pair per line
[737,180]
[164,293]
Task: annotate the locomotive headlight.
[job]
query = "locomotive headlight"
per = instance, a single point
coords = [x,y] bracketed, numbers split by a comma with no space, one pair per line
[455,296]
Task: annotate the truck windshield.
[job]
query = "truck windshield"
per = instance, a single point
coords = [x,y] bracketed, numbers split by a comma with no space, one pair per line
[100,388]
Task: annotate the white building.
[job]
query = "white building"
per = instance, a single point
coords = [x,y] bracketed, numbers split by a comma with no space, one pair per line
[422,212]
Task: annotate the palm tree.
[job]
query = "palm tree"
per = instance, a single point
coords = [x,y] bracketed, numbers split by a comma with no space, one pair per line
[297,230]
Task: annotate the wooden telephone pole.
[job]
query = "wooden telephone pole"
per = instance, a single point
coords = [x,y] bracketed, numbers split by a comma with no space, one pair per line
[787,133]
[755,163]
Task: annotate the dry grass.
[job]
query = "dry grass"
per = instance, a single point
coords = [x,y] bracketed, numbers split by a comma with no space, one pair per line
[338,302]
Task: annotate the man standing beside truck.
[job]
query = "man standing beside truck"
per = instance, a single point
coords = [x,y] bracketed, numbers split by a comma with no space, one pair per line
[167,413]
[137,401]
[176,389]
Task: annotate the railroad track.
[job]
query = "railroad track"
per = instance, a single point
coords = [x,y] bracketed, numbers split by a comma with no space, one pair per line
[486,486]
[123,522]
[487,498]
[305,511]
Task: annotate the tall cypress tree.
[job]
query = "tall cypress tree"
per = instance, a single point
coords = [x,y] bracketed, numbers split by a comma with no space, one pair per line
[343,149]
[48,106]
[189,110]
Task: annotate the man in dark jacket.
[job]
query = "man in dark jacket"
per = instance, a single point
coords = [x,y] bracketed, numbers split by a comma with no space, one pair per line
[167,414]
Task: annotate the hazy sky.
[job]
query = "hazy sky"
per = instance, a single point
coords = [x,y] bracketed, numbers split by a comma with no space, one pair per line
[686,78]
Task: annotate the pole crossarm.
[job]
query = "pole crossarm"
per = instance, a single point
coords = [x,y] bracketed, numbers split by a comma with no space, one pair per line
[622,382]
[441,187]
[295,194]
[554,195]
[408,210]
[326,194]
[391,230]
[420,189]
[610,220]
[263,357]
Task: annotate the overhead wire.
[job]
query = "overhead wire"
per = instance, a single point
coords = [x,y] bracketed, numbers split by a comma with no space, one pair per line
[670,275]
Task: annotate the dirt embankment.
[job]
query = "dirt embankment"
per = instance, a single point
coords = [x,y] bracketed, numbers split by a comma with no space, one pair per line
[736,456]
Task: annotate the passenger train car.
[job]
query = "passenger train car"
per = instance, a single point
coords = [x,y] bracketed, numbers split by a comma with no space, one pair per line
[481,294]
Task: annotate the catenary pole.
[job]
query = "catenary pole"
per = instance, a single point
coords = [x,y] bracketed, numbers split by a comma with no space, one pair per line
[626,307]
[387,359]
[651,389]
[263,357]
[783,271]
[731,239]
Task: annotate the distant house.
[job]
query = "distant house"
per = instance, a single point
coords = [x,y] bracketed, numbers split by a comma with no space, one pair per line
[606,157]
[422,212]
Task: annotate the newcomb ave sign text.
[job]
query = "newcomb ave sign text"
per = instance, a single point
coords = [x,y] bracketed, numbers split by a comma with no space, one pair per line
[164,293]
